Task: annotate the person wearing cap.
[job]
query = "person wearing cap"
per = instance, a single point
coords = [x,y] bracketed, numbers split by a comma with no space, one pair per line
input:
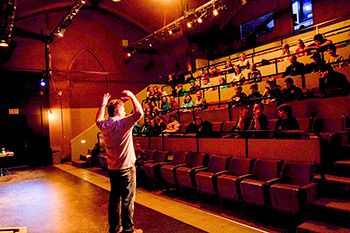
[320,43]
[316,64]
[285,121]
[295,67]
[272,92]
[291,92]
[255,96]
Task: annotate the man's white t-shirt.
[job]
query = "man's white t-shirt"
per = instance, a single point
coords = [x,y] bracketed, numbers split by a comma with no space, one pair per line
[117,135]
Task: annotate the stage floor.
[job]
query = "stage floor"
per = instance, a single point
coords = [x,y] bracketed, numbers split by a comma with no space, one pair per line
[65,199]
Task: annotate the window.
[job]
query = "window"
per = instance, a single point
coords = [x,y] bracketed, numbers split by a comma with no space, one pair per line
[258,27]
[302,14]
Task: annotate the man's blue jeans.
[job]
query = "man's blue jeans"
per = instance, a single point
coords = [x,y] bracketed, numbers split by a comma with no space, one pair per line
[121,199]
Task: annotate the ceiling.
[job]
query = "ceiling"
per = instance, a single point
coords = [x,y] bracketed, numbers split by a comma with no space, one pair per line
[148,15]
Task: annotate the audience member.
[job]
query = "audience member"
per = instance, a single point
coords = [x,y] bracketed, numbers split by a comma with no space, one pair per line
[160,122]
[259,121]
[254,75]
[295,67]
[320,43]
[194,87]
[273,92]
[228,67]
[331,79]
[200,128]
[239,98]
[255,96]
[335,59]
[206,84]
[213,71]
[173,126]
[300,51]
[285,52]
[146,126]
[243,122]
[140,154]
[187,104]
[238,77]
[173,104]
[285,121]
[180,90]
[317,63]
[291,92]
[243,62]
[222,82]
[200,102]
[156,92]
[164,107]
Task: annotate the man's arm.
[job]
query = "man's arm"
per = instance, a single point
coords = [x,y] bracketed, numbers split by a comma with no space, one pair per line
[101,112]
[137,108]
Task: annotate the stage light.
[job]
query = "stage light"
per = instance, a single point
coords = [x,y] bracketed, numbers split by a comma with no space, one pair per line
[42,83]
[200,20]
[129,54]
[215,12]
[170,32]
[150,45]
[115,0]
[189,24]
[3,43]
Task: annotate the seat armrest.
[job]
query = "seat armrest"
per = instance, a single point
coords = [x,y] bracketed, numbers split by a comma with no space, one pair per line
[310,191]
[163,163]
[272,181]
[180,165]
[247,176]
[221,172]
[200,169]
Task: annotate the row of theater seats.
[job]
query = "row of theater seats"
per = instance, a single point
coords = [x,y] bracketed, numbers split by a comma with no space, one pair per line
[285,186]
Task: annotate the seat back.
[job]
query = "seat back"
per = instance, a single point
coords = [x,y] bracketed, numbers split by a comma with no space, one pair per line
[149,154]
[240,166]
[217,163]
[196,159]
[161,156]
[180,157]
[266,169]
[297,173]
[228,125]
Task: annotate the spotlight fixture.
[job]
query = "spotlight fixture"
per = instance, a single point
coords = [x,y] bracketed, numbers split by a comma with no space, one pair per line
[215,12]
[170,32]
[200,20]
[189,24]
[42,83]
[129,54]
[67,19]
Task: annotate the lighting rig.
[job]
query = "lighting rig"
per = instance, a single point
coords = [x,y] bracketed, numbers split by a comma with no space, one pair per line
[67,19]
[188,21]
[8,23]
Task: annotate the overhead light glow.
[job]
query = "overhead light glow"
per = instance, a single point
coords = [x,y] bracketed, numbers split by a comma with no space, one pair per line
[189,25]
[200,20]
[3,43]
[215,12]
[42,83]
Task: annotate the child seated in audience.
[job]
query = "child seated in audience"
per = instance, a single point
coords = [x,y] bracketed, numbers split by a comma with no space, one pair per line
[228,67]
[180,90]
[187,104]
[285,52]
[173,104]
[272,92]
[291,92]
[173,126]
[200,103]
[300,51]
[317,63]
[194,87]
[238,77]
[335,59]
[243,122]
[200,128]
[222,82]
[254,75]
[206,84]
[164,107]
[285,121]
[255,96]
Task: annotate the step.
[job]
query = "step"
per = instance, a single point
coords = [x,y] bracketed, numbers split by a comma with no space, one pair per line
[80,163]
[85,157]
[335,204]
[313,226]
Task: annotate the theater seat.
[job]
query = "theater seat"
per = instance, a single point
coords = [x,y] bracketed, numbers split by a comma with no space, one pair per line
[296,188]
[168,170]
[228,183]
[255,188]
[149,154]
[206,177]
[152,168]
[185,175]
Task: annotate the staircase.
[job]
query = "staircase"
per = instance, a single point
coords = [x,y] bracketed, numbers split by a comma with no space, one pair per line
[84,160]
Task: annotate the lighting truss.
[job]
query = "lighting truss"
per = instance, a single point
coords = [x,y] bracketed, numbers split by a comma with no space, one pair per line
[9,22]
[67,19]
[190,17]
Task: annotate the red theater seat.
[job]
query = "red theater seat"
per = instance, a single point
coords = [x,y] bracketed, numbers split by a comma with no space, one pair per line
[254,189]
[149,154]
[228,183]
[185,175]
[296,188]
[152,168]
[168,170]
[206,177]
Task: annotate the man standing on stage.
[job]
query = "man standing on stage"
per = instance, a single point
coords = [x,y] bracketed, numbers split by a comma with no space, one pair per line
[117,133]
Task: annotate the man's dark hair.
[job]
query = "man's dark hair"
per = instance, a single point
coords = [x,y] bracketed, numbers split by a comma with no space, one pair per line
[286,108]
[289,80]
[318,37]
[113,106]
